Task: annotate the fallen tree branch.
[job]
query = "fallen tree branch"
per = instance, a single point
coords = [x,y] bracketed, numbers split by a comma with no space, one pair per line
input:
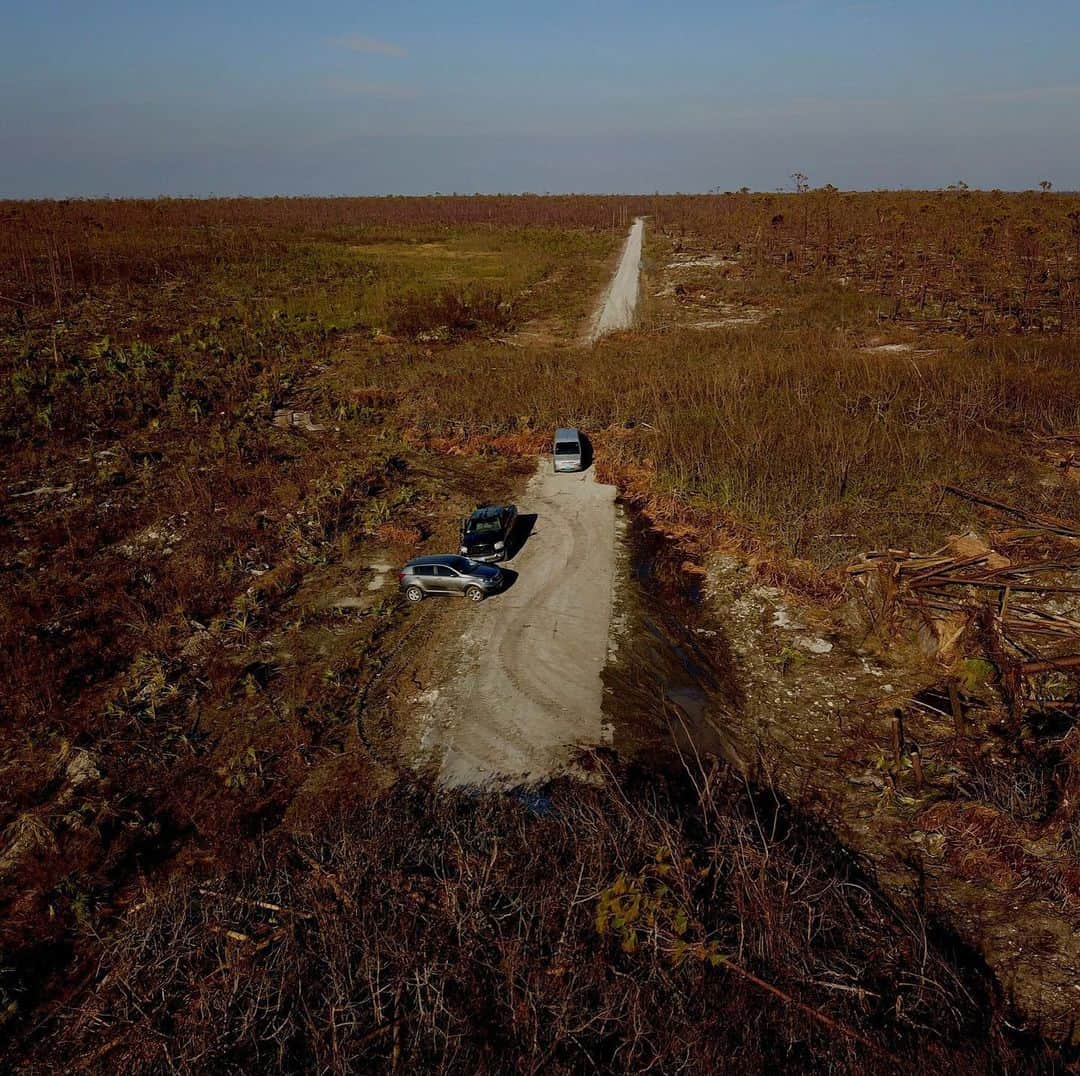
[1070,661]
[266,905]
[1051,523]
[809,1010]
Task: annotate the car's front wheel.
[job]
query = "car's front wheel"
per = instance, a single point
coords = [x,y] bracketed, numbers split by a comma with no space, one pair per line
[414,594]
[474,594]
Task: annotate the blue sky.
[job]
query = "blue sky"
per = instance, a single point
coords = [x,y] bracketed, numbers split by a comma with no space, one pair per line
[333,98]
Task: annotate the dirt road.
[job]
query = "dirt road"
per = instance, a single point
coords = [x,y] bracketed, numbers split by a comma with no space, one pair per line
[617,310]
[524,689]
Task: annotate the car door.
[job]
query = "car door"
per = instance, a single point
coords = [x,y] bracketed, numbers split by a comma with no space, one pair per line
[447,580]
[425,577]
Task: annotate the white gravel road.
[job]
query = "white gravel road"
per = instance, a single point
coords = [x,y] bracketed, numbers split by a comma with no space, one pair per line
[526,688]
[617,310]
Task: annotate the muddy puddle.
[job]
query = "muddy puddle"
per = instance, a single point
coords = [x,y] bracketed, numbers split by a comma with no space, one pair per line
[671,686]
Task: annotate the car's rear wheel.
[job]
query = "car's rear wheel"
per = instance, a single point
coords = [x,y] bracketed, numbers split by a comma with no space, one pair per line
[414,594]
[474,594]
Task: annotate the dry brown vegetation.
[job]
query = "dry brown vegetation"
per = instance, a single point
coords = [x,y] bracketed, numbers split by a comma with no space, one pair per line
[796,435]
[613,928]
[185,707]
[955,260]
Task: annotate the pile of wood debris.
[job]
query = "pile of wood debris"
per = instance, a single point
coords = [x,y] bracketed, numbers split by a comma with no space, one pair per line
[1018,594]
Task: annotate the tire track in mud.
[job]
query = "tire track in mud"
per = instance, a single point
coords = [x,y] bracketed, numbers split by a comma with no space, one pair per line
[514,653]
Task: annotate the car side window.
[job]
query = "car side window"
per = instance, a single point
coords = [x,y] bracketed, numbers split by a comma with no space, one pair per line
[424,569]
[443,571]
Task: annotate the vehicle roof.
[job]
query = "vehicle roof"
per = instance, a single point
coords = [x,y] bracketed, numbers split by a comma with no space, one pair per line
[567,433]
[437,558]
[488,511]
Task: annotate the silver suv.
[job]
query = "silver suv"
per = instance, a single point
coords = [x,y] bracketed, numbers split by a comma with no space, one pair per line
[448,574]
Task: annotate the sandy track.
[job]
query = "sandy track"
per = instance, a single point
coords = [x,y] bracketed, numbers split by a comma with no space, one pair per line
[620,302]
[525,690]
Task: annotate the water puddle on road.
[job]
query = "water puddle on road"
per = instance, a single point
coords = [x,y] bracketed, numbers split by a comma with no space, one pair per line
[671,685]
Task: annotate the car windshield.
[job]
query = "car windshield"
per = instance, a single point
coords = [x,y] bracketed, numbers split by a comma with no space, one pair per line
[486,526]
[567,448]
[459,564]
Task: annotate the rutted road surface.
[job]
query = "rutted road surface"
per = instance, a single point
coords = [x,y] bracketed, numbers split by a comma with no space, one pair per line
[525,689]
[522,690]
[617,310]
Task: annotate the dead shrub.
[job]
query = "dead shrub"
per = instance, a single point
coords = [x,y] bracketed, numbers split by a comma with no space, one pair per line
[444,931]
[455,313]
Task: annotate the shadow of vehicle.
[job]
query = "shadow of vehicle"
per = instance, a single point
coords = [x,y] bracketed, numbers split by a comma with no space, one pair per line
[520,534]
[586,451]
[510,577]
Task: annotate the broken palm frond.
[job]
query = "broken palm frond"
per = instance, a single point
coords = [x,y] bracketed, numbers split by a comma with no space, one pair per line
[1016,603]
[1037,623]
[942,580]
[1068,661]
[1013,570]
